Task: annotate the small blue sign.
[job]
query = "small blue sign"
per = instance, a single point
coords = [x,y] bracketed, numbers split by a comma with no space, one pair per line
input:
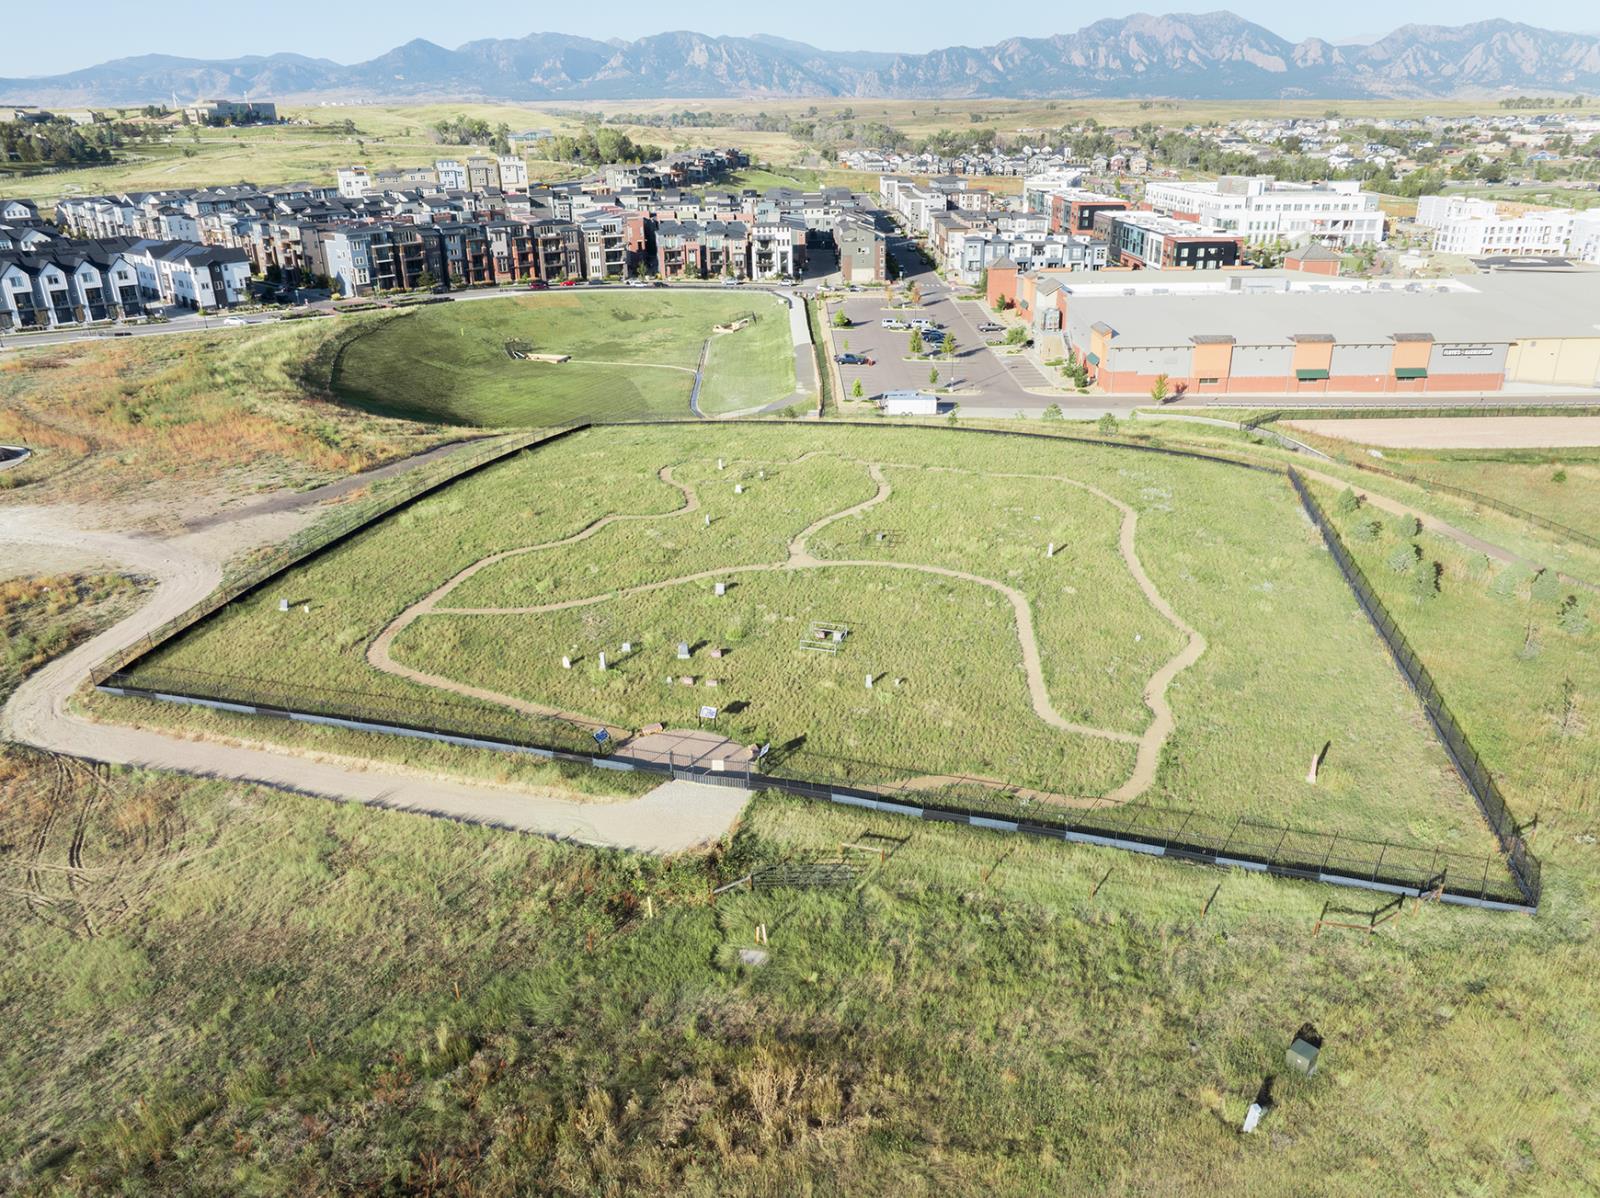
[601,736]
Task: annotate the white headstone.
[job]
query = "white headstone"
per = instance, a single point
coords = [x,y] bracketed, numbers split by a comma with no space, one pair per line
[1252,1117]
[1050,550]
[762,474]
[708,519]
[869,681]
[738,488]
[721,588]
[838,635]
[283,605]
[627,646]
[602,661]
[719,464]
[566,663]
[683,650]
[306,607]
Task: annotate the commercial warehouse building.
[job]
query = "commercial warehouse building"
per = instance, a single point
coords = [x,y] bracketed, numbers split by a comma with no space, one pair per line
[1277,332]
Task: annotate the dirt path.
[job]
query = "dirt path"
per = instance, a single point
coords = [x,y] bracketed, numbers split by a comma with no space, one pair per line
[188,568]
[1149,743]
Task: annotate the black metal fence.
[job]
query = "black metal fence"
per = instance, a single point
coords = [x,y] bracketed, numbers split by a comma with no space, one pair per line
[1176,833]
[1523,865]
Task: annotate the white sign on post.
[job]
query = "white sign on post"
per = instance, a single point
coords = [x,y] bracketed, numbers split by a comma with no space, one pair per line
[708,713]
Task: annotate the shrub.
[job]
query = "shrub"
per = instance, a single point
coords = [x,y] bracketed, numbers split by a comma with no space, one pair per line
[1016,335]
[1573,619]
[1158,389]
[1404,559]
[1347,502]
[1366,530]
[840,320]
[1509,581]
[1425,581]
[915,342]
[1546,587]
[1560,476]
[1406,527]
[1053,412]
[1107,424]
[856,390]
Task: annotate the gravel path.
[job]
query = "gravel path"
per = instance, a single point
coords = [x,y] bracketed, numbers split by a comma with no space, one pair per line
[1149,743]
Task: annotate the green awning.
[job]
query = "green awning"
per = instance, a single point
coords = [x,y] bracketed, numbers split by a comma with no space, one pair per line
[1092,359]
[1311,376]
[1410,372]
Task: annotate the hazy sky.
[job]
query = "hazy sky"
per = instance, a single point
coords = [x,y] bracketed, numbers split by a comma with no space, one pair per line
[36,43]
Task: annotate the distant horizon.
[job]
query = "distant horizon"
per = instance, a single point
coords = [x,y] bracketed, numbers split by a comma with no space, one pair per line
[347,36]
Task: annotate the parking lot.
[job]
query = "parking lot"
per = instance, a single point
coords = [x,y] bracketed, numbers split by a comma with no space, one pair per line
[985,382]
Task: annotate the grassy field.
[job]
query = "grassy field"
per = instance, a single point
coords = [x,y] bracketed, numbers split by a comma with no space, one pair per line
[239,405]
[1561,485]
[634,356]
[1516,653]
[217,988]
[1290,662]
[285,995]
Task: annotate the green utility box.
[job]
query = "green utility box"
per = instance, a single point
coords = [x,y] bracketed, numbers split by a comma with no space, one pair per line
[1302,1056]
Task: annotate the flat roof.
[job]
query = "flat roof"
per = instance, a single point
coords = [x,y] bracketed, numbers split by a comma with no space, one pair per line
[1492,309]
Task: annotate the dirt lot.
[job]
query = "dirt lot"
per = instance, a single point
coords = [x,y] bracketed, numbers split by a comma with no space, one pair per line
[1467,432]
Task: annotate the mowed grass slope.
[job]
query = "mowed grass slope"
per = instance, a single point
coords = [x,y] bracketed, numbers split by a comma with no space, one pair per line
[633,353]
[1291,663]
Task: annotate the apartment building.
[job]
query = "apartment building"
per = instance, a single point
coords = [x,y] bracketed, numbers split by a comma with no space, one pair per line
[1143,240]
[218,112]
[863,250]
[451,174]
[1462,225]
[1263,210]
[1073,210]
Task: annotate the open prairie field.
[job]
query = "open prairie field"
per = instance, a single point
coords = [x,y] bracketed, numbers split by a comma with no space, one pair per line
[1188,644]
[240,406]
[633,356]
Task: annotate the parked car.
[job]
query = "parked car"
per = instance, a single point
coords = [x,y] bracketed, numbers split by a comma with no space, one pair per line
[538,285]
[925,324]
[732,282]
[852,360]
[569,282]
[637,283]
[931,336]
[235,322]
[989,326]
[894,322]
[657,283]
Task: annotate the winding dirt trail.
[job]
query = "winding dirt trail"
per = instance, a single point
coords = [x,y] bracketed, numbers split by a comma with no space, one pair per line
[1149,743]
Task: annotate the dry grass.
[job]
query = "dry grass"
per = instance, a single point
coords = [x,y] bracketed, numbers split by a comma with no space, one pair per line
[241,404]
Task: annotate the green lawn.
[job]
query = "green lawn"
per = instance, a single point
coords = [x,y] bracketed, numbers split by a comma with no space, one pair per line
[1559,484]
[1291,663]
[634,356]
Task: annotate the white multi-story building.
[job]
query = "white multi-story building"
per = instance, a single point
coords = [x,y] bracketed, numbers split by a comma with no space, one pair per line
[1585,244]
[513,172]
[1462,225]
[354,182]
[1262,210]
[452,174]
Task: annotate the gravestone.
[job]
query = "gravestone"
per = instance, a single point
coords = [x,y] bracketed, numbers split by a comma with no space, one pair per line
[283,605]
[869,681]
[566,663]
[738,488]
[716,653]
[719,464]
[683,650]
[721,588]
[627,646]
[1050,550]
[602,663]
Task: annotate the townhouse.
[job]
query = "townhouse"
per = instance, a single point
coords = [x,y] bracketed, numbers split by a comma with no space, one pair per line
[1143,240]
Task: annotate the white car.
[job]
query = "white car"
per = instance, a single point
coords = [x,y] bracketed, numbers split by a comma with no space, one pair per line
[894,322]
[637,283]
[732,282]
[235,322]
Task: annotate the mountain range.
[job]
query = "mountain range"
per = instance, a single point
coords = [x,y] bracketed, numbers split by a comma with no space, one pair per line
[1214,55]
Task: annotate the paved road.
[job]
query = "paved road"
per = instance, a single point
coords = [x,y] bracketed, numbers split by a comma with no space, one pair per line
[186,569]
[986,383]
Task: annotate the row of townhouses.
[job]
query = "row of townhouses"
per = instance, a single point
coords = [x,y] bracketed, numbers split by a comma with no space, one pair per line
[65,282]
[1263,210]
[363,240]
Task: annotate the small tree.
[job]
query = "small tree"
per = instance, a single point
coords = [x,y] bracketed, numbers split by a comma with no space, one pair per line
[856,390]
[933,376]
[954,409]
[1107,424]
[1016,335]
[916,295]
[1158,389]
[426,281]
[1053,412]
[840,320]
[1404,559]
[1347,502]
[915,343]
[999,305]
